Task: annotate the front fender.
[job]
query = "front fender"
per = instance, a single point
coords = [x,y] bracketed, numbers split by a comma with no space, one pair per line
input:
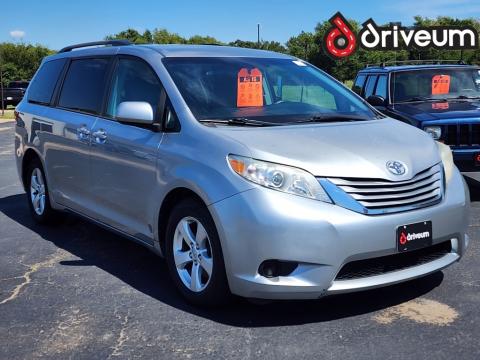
[199,166]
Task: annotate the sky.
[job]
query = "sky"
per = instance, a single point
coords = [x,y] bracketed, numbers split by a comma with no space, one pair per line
[58,23]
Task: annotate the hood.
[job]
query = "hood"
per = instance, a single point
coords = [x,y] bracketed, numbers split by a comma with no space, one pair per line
[424,111]
[350,149]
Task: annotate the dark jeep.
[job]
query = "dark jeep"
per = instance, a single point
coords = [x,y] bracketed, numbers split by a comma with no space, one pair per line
[443,100]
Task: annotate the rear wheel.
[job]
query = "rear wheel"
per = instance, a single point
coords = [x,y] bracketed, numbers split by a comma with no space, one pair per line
[38,200]
[194,255]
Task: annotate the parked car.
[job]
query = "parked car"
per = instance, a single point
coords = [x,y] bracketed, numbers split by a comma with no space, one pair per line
[252,172]
[13,94]
[442,99]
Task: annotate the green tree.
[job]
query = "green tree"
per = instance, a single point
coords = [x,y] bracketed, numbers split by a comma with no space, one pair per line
[163,36]
[273,46]
[147,36]
[263,45]
[199,40]
[244,44]
[131,35]
[21,61]
[302,46]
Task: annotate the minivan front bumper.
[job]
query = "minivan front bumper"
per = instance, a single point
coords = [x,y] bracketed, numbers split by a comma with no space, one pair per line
[262,224]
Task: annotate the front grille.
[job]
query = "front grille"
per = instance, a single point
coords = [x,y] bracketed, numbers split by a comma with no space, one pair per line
[381,196]
[461,134]
[385,264]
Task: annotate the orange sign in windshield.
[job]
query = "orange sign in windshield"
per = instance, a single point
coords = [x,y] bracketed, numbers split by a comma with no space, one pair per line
[440,84]
[249,88]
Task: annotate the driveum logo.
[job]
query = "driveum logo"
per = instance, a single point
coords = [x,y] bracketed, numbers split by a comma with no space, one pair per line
[340,41]
[406,237]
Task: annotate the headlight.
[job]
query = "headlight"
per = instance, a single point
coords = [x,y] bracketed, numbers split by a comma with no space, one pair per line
[434,131]
[278,177]
[447,160]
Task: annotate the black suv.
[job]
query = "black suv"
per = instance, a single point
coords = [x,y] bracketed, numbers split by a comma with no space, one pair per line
[441,99]
[13,94]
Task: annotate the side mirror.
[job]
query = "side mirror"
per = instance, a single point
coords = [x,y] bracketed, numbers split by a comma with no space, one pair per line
[135,112]
[376,100]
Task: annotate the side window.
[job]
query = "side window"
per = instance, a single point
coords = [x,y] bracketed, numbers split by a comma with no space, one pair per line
[84,85]
[358,85]
[372,79]
[381,89]
[43,84]
[134,80]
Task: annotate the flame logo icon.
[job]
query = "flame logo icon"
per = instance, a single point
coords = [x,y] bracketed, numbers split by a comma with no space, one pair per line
[340,41]
[403,238]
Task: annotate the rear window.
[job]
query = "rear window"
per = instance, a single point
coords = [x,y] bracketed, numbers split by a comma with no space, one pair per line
[43,84]
[84,85]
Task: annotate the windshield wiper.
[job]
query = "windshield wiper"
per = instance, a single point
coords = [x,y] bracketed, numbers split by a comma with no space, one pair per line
[333,118]
[422,98]
[239,121]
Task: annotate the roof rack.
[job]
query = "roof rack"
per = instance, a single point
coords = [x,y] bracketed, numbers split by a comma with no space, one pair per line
[96,43]
[417,62]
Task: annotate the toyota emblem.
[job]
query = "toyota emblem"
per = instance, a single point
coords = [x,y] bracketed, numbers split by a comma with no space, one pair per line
[396,167]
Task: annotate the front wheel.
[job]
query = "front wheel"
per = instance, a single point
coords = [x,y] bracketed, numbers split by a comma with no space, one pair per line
[194,255]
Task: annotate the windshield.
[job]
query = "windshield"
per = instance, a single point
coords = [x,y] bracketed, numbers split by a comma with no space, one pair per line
[263,89]
[435,84]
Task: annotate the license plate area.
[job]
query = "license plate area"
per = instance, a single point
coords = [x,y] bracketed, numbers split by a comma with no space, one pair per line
[414,236]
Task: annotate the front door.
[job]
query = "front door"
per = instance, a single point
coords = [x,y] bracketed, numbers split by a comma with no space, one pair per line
[124,157]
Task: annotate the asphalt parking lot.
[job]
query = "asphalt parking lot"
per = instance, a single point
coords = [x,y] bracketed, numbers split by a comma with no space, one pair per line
[78,291]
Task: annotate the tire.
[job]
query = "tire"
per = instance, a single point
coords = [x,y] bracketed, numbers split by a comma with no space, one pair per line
[193,261]
[38,195]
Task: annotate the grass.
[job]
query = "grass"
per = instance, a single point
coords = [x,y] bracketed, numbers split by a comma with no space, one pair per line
[348,83]
[8,115]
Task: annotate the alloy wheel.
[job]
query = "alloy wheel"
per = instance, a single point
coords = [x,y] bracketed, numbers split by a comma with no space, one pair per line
[192,253]
[37,191]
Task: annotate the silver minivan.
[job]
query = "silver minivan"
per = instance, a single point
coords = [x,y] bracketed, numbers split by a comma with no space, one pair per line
[251,172]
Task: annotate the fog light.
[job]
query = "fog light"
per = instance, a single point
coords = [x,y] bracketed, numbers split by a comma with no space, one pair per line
[275,268]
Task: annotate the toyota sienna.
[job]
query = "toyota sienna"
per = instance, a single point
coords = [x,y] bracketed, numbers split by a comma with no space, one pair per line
[251,172]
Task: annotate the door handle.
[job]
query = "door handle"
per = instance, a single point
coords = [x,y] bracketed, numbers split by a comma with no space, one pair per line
[100,136]
[83,133]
